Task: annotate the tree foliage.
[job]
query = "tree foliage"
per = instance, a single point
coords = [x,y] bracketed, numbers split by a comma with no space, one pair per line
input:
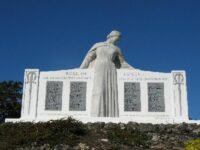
[10,99]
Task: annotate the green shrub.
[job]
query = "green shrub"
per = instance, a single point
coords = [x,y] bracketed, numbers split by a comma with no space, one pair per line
[13,135]
[193,144]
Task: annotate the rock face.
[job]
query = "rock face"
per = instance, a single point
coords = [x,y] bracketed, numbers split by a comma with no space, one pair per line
[101,135]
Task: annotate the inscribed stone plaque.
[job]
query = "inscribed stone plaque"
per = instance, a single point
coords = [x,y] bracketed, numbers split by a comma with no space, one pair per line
[77,100]
[53,95]
[156,97]
[132,96]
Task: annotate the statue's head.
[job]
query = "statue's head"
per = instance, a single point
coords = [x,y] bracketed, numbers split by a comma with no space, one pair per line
[114,36]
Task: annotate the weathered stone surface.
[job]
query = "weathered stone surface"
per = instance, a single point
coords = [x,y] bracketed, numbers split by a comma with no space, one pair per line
[53,95]
[77,96]
[62,147]
[104,140]
[132,100]
[156,97]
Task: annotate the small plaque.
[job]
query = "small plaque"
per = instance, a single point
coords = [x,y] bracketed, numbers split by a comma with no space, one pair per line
[132,96]
[156,97]
[77,96]
[54,95]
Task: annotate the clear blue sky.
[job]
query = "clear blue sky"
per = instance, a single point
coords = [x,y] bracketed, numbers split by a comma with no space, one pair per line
[158,35]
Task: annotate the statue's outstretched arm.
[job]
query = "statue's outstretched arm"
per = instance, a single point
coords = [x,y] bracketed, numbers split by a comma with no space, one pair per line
[91,55]
[123,63]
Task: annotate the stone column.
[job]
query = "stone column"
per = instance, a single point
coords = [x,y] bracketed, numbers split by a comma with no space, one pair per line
[30,94]
[179,88]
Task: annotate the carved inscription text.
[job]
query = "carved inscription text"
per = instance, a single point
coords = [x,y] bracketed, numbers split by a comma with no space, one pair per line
[132,100]
[54,95]
[156,97]
[77,96]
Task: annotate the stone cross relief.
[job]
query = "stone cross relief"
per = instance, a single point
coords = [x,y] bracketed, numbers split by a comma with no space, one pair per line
[179,80]
[30,79]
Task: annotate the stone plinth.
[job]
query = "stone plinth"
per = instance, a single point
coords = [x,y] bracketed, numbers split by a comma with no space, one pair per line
[143,96]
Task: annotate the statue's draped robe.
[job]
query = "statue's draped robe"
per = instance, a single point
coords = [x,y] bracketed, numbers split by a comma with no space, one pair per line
[105,58]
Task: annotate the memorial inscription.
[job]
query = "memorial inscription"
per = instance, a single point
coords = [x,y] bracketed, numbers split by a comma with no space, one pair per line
[156,97]
[132,100]
[54,95]
[77,96]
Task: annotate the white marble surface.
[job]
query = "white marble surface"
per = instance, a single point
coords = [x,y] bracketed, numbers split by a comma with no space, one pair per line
[34,109]
[105,57]
[30,93]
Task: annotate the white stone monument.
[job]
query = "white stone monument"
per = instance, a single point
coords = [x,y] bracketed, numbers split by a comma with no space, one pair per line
[105,88]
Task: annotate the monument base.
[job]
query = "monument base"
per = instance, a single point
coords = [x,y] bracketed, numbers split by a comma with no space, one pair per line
[143,96]
[108,119]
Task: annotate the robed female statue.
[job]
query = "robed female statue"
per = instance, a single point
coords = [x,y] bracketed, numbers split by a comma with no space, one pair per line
[105,58]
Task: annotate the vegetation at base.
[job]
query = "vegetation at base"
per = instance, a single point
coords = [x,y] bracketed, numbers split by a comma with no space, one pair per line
[193,144]
[127,136]
[74,134]
[13,135]
[10,99]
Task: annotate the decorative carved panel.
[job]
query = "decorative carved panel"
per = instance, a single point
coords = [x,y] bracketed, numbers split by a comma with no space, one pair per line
[156,100]
[54,95]
[77,96]
[132,100]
